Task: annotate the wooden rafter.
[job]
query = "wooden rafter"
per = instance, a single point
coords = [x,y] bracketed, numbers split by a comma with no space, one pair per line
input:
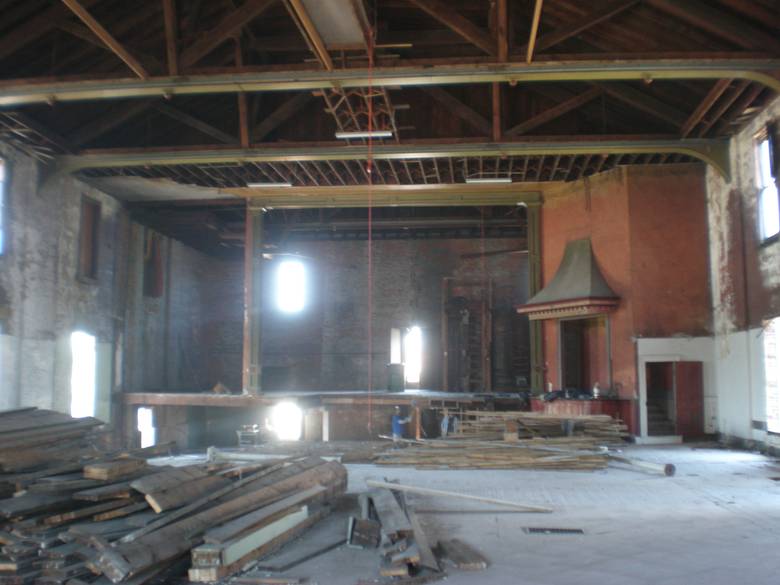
[171,36]
[590,20]
[193,122]
[226,29]
[313,36]
[701,110]
[554,112]
[529,52]
[114,118]
[461,110]
[280,115]
[243,104]
[644,101]
[709,18]
[105,36]
[726,101]
[461,25]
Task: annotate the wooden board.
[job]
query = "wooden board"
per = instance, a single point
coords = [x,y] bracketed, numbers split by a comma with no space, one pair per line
[186,493]
[463,556]
[113,470]
[391,516]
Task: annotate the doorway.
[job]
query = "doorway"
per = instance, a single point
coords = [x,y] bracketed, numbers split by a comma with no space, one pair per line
[674,399]
[660,398]
[584,353]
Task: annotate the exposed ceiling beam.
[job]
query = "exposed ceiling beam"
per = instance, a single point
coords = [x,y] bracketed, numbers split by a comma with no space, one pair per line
[529,51]
[171,36]
[313,36]
[645,102]
[701,110]
[554,112]
[590,20]
[36,27]
[714,152]
[226,29]
[44,131]
[709,18]
[193,122]
[115,117]
[21,92]
[461,110]
[100,31]
[463,26]
[280,115]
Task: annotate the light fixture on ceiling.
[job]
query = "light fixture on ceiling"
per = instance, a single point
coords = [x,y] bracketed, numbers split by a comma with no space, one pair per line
[364,134]
[478,180]
[262,185]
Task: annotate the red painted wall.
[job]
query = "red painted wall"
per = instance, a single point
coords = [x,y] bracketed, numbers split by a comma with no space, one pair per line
[648,230]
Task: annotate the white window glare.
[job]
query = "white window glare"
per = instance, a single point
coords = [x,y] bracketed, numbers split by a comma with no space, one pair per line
[145,426]
[290,286]
[768,201]
[413,355]
[82,374]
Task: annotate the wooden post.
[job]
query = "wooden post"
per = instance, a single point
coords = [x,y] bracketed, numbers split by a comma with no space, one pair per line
[533,215]
[253,294]
[417,423]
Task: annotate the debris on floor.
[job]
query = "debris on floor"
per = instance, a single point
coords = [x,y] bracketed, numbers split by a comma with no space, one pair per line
[78,513]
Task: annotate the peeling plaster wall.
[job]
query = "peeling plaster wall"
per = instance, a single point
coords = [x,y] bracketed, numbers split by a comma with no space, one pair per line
[745,288]
[41,299]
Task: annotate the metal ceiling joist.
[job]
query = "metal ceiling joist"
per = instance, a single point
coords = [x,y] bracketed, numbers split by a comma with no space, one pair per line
[713,152]
[21,92]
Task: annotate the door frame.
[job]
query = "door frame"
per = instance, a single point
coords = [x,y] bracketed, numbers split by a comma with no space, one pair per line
[642,362]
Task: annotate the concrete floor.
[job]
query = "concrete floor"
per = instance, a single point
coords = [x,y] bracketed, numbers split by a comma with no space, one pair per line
[717,521]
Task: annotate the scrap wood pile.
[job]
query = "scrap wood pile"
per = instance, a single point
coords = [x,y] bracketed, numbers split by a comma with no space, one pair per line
[579,430]
[75,513]
[515,440]
[407,553]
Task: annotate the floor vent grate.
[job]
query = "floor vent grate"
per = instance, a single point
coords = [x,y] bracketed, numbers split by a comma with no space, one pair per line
[553,530]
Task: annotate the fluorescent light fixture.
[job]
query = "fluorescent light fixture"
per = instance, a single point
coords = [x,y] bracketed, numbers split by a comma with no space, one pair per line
[477,180]
[262,185]
[364,134]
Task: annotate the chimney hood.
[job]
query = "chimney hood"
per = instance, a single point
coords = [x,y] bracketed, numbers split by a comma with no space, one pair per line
[577,289]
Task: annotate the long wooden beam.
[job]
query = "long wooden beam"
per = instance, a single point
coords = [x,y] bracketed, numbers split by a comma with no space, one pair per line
[645,102]
[22,92]
[105,36]
[554,112]
[313,35]
[114,118]
[171,36]
[280,115]
[461,110]
[529,51]
[590,20]
[451,19]
[193,122]
[226,29]
[709,18]
[714,152]
[701,110]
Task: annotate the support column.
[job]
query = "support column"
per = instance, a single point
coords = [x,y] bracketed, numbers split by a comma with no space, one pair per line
[533,214]
[253,295]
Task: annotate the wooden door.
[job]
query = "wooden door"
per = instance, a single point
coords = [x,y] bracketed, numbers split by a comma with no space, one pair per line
[689,398]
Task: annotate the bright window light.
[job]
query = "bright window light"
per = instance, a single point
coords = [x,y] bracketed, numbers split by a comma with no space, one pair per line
[145,419]
[772,374]
[290,286]
[82,374]
[413,355]
[768,200]
[395,346]
[286,421]
[2,206]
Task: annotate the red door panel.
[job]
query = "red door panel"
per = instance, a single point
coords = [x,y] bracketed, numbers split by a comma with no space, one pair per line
[689,396]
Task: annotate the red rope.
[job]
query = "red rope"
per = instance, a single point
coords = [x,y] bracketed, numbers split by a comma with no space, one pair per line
[369,170]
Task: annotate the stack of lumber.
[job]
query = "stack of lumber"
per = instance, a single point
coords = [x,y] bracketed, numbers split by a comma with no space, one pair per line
[491,425]
[85,514]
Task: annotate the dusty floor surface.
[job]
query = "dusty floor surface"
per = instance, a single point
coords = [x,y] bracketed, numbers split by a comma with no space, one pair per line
[717,521]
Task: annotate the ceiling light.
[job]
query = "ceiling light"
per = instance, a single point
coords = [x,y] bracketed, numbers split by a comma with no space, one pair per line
[488,180]
[364,134]
[262,185]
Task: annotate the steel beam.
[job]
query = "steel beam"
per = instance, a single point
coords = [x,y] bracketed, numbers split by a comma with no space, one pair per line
[22,92]
[713,152]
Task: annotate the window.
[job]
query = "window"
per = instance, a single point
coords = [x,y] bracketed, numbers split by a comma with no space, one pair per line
[145,426]
[2,206]
[290,286]
[766,173]
[153,266]
[88,239]
[82,374]
[772,374]
[413,349]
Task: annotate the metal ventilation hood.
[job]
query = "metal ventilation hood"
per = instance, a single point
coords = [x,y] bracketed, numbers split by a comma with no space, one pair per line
[577,289]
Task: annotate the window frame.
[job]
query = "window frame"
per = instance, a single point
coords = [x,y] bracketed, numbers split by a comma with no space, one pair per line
[767,134]
[90,239]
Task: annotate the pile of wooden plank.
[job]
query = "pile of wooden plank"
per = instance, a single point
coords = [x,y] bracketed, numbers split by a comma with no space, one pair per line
[77,513]
[407,552]
[492,425]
